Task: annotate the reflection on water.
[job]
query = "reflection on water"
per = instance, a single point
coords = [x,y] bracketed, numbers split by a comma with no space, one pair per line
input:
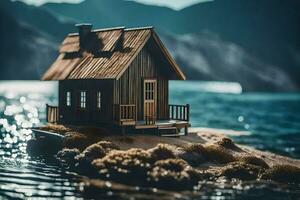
[27,178]
[22,176]
[272,121]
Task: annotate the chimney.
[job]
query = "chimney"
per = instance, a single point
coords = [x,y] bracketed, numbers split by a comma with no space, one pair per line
[120,42]
[84,30]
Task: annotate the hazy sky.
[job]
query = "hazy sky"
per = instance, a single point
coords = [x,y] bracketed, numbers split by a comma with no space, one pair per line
[175,4]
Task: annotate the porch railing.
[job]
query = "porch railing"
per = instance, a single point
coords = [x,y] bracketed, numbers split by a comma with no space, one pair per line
[125,112]
[179,112]
[52,114]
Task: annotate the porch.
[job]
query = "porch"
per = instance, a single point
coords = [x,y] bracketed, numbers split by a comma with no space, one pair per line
[126,116]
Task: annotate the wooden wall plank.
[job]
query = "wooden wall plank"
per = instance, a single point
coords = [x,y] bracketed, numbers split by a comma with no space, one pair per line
[129,88]
[91,115]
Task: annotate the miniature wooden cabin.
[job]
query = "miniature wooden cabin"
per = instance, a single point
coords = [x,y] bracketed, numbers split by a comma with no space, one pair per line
[115,76]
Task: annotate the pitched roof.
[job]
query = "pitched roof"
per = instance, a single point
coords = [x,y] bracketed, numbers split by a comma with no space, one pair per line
[109,62]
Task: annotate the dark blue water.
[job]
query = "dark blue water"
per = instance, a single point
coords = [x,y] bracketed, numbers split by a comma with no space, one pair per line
[266,121]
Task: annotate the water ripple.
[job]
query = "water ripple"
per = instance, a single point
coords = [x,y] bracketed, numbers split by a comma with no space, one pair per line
[272,120]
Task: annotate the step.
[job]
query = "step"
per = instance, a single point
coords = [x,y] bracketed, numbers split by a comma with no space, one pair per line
[167,130]
[172,135]
[166,127]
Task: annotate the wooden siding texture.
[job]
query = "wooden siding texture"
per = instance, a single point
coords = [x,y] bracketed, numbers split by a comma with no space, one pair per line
[129,88]
[91,115]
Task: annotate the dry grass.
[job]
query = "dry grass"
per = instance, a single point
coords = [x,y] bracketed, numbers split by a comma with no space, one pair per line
[283,173]
[94,151]
[176,165]
[219,154]
[91,132]
[162,151]
[241,171]
[170,167]
[129,166]
[228,144]
[194,154]
[166,166]
[253,160]
[68,155]
[173,174]
[195,148]
[56,128]
[197,154]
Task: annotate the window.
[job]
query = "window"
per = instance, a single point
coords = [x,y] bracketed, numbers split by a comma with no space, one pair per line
[99,100]
[149,91]
[83,99]
[68,98]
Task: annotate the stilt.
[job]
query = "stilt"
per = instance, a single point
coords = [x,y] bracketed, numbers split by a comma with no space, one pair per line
[186,130]
[157,132]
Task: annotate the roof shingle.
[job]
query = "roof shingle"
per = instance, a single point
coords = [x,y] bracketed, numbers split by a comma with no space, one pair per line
[108,63]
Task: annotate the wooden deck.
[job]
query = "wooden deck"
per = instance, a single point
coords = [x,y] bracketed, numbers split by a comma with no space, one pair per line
[164,127]
[178,119]
[162,124]
[125,116]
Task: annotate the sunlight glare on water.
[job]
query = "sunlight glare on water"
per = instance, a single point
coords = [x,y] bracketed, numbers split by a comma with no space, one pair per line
[22,106]
[269,122]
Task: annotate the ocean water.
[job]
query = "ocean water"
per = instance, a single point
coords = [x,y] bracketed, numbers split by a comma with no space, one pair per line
[265,121]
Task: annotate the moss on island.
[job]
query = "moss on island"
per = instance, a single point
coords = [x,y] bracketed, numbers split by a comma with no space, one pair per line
[168,163]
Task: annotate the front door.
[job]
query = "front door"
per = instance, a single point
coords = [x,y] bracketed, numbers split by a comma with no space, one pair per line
[150,92]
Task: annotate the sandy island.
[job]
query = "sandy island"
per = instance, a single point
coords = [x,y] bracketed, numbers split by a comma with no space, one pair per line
[170,163]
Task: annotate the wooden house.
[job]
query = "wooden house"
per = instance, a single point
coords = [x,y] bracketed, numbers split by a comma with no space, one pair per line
[115,76]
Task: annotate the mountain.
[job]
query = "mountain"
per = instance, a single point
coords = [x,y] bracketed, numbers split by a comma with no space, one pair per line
[268,30]
[29,40]
[254,42]
[261,37]
[110,13]
[210,58]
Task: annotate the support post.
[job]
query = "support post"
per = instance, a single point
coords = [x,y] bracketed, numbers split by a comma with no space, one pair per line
[188,112]
[123,130]
[186,130]
[47,119]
